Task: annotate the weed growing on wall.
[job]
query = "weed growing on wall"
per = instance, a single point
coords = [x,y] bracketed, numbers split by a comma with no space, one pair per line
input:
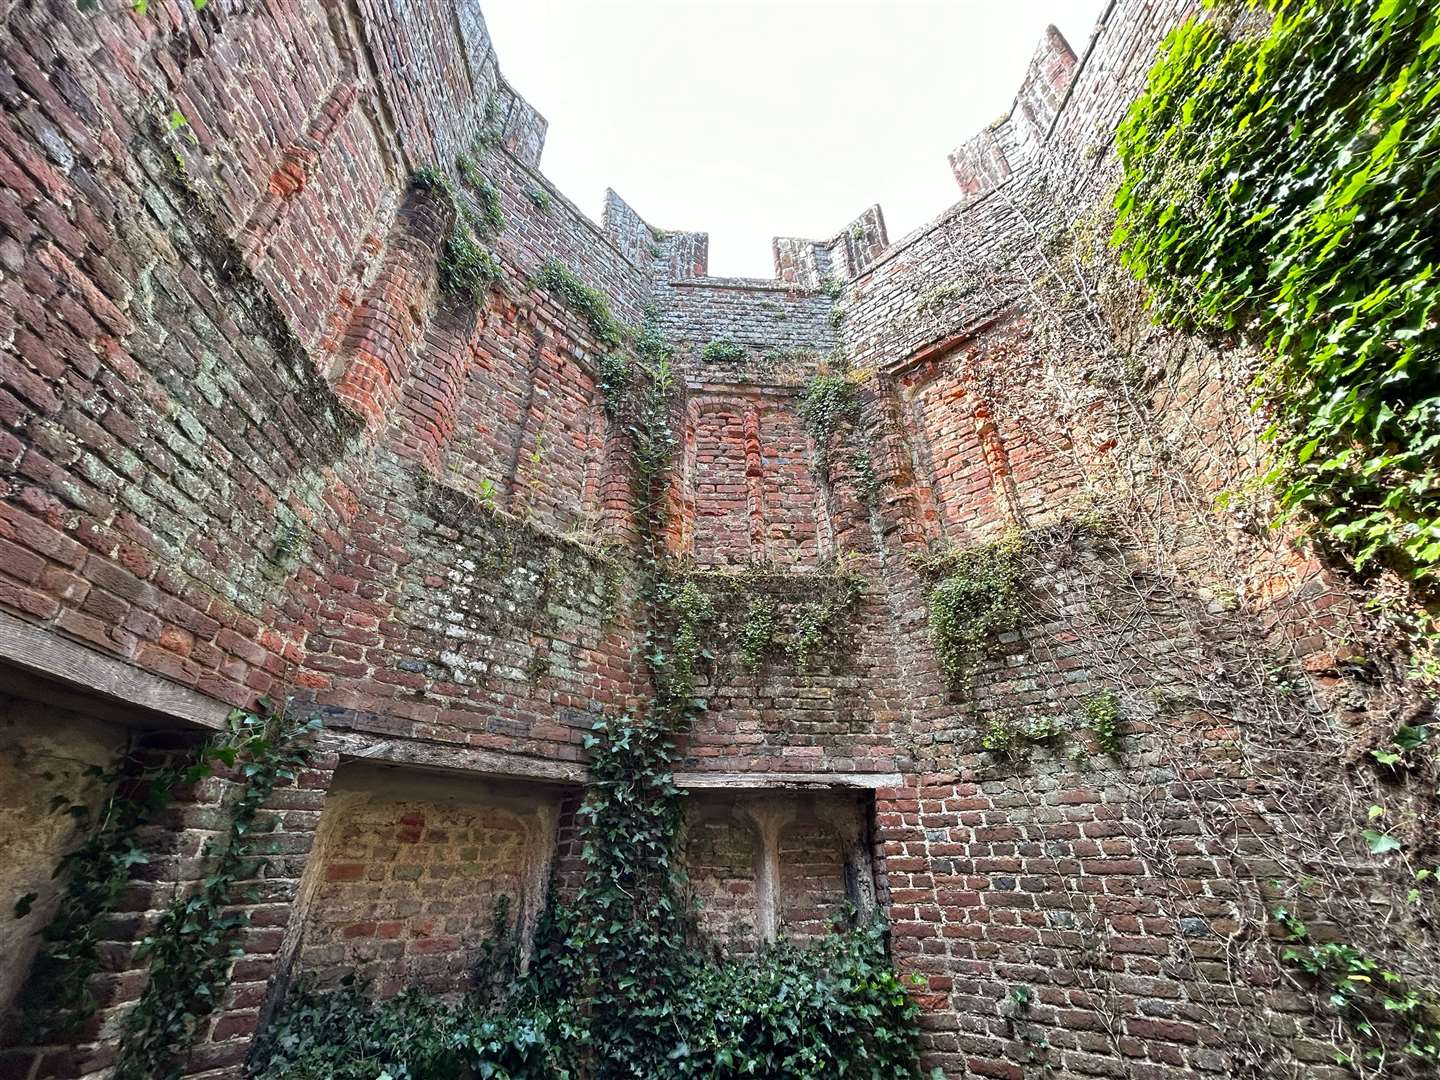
[975,599]
[585,300]
[467,267]
[723,352]
[1280,182]
[488,218]
[1102,720]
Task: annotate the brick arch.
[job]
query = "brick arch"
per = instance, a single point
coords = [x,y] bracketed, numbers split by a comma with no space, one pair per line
[795,524]
[721,457]
[411,870]
[748,491]
[724,856]
[814,886]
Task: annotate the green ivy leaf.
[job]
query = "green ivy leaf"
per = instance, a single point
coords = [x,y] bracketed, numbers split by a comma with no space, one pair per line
[1381,843]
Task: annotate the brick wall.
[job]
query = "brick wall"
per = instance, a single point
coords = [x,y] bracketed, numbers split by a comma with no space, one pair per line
[422,882]
[721,860]
[247,448]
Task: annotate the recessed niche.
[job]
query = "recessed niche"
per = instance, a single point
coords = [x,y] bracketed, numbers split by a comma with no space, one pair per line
[770,864]
[418,877]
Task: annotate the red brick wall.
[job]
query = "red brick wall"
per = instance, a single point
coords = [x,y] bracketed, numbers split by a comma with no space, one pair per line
[246,447]
[411,875]
[813,894]
[722,854]
[749,490]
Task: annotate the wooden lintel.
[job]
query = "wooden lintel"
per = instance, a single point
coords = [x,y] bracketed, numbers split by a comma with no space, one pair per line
[81,671]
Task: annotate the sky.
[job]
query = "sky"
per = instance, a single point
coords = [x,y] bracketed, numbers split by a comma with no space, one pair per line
[749,119]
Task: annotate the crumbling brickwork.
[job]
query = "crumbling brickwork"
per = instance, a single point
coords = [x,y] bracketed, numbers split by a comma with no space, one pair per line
[251,446]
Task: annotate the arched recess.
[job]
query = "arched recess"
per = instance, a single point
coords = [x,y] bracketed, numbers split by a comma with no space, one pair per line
[815,879]
[767,864]
[416,877]
[795,526]
[749,495]
[721,461]
[724,857]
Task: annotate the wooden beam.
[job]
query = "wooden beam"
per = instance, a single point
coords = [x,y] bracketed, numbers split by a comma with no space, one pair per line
[450,758]
[780,781]
[42,652]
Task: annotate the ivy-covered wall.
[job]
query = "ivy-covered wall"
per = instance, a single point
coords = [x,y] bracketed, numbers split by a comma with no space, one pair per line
[932,580]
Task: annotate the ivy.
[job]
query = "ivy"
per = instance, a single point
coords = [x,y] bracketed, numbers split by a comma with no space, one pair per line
[689,611]
[975,599]
[835,1008]
[815,627]
[1282,184]
[867,481]
[613,379]
[723,352]
[828,402]
[758,615]
[1368,996]
[189,954]
[584,300]
[55,998]
[345,1035]
[757,632]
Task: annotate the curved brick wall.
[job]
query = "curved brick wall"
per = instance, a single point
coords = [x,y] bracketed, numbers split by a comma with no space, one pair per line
[248,448]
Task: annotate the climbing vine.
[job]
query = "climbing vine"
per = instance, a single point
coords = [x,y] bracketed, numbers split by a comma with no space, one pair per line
[189,953]
[1373,1000]
[828,403]
[1102,720]
[56,998]
[974,599]
[1280,183]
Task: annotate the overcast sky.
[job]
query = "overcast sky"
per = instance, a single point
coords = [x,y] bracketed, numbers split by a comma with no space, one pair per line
[751,118]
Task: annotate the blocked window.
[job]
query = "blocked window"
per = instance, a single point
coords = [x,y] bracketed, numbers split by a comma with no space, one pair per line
[418,879]
[770,864]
